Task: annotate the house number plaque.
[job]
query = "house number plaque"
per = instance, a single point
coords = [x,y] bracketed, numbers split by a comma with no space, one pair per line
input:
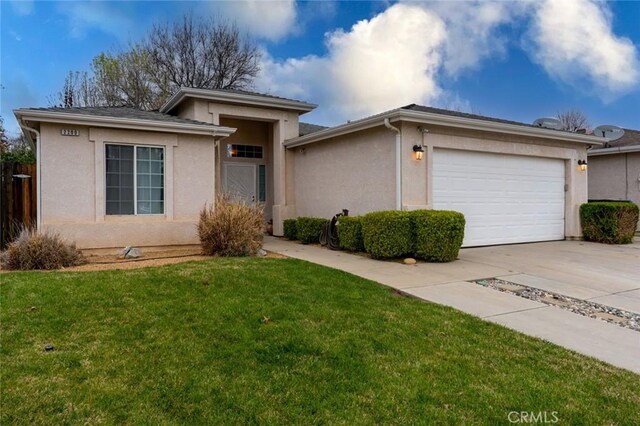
[70,132]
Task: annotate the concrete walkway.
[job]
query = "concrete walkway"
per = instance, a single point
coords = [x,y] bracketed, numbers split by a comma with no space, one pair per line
[605,274]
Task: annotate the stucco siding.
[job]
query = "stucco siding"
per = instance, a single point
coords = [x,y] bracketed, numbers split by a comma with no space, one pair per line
[354,172]
[357,171]
[194,176]
[607,177]
[73,187]
[615,177]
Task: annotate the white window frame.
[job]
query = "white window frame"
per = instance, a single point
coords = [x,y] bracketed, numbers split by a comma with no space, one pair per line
[135,179]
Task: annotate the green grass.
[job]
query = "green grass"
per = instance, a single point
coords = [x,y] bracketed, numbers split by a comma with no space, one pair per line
[187,344]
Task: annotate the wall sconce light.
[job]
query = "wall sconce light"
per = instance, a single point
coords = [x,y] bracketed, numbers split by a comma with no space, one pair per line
[582,164]
[418,152]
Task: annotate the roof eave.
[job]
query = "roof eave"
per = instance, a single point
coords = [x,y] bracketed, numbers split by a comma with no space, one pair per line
[613,150]
[443,120]
[121,123]
[243,98]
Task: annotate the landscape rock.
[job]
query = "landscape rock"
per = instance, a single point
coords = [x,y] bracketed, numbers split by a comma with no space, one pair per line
[409,261]
[131,253]
[261,253]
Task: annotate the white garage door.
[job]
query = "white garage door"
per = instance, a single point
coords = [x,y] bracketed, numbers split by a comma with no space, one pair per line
[504,198]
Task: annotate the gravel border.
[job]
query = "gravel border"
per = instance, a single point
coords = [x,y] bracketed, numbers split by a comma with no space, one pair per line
[586,308]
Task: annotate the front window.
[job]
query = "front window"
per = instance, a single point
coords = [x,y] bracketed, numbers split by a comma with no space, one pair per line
[135,180]
[244,151]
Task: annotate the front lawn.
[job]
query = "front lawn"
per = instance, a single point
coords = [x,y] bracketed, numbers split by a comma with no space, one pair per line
[277,341]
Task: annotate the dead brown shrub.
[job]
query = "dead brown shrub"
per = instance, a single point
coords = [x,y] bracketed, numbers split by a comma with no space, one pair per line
[230,228]
[39,250]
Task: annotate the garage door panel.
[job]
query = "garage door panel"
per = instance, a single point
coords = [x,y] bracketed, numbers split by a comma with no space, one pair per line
[505,198]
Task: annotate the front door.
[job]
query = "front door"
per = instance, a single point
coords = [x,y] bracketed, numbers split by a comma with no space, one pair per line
[240,181]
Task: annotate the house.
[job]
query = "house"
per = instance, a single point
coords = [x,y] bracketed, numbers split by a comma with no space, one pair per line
[111,177]
[614,169]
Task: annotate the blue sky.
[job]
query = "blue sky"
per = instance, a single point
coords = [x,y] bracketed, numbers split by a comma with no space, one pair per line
[513,60]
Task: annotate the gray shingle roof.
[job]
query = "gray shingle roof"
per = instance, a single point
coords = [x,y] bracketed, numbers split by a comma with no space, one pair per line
[123,112]
[265,95]
[420,108]
[307,128]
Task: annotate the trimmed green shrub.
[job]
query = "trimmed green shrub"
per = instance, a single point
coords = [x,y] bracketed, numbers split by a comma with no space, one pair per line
[438,234]
[609,222]
[308,229]
[387,234]
[350,233]
[290,229]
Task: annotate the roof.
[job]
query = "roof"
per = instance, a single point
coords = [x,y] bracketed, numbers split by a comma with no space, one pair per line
[235,96]
[121,117]
[121,112]
[308,128]
[629,142]
[446,118]
[421,108]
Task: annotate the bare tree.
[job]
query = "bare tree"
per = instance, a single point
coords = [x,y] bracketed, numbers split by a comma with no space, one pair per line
[203,54]
[79,90]
[126,79]
[573,120]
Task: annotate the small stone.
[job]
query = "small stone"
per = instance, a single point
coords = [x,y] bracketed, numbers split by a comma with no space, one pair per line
[133,253]
[410,261]
[48,348]
[33,308]
[261,253]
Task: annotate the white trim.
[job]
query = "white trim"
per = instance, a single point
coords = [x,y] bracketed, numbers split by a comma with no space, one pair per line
[443,120]
[121,123]
[236,97]
[614,150]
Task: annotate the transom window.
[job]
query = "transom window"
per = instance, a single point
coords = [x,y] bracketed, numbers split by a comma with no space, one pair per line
[244,151]
[135,180]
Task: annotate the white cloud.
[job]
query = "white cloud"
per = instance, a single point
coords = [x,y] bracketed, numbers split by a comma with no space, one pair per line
[88,15]
[381,63]
[404,54]
[22,7]
[269,19]
[574,42]
[472,30]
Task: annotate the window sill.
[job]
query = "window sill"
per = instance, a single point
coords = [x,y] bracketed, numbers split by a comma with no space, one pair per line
[136,218]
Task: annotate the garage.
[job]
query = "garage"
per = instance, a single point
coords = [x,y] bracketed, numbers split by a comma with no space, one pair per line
[505,198]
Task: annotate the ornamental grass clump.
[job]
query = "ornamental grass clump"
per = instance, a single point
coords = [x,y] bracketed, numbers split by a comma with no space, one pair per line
[44,250]
[231,228]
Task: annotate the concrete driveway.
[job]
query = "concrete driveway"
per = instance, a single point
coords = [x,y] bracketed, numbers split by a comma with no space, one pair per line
[609,275]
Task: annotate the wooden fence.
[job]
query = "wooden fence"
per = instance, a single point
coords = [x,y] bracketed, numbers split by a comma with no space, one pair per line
[17,199]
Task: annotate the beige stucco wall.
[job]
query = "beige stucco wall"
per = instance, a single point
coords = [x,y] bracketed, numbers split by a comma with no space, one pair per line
[357,171]
[615,177]
[354,172]
[283,125]
[440,137]
[73,187]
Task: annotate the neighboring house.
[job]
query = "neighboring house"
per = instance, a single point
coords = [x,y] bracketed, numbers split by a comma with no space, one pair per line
[614,169]
[111,177]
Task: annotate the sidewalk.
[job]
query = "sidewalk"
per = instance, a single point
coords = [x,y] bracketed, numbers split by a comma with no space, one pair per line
[448,284]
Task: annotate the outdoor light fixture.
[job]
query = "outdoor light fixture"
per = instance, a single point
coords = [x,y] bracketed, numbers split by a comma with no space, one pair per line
[582,164]
[418,152]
